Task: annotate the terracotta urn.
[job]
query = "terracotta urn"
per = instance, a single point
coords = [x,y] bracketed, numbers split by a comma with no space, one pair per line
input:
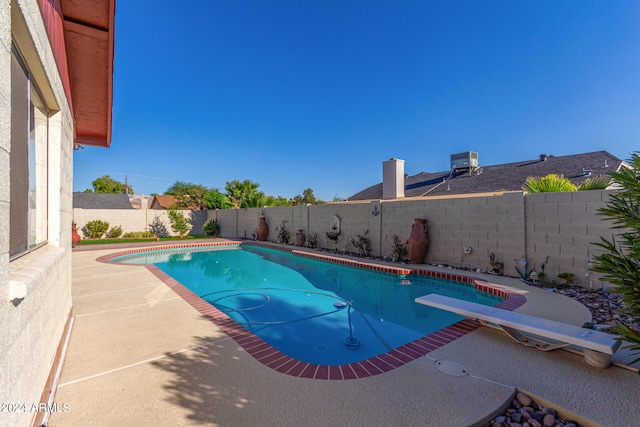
[263,229]
[418,241]
[300,238]
[75,237]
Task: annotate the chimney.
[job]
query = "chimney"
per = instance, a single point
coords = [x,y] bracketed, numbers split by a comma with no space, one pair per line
[393,179]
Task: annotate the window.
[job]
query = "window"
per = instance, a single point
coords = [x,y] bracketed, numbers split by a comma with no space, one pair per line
[28,163]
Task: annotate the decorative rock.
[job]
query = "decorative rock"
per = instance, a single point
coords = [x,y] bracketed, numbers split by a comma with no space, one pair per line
[524,412]
[549,420]
[538,416]
[523,399]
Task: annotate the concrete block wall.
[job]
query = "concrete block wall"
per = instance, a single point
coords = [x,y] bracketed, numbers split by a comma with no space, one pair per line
[564,227]
[512,226]
[132,220]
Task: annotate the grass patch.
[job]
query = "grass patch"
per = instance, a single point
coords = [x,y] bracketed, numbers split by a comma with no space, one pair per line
[150,239]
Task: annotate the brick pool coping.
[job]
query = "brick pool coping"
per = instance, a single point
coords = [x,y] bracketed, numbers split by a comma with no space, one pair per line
[274,359]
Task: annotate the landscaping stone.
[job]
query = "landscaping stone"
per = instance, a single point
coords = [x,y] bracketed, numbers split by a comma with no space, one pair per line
[525,412]
[606,307]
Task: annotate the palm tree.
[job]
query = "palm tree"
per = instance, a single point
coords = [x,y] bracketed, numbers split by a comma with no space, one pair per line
[548,184]
[244,194]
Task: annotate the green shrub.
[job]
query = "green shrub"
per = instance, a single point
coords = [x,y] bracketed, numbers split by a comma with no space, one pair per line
[548,184]
[569,278]
[312,240]
[115,232]
[158,228]
[211,228]
[400,251]
[596,183]
[283,234]
[95,229]
[179,223]
[362,243]
[139,235]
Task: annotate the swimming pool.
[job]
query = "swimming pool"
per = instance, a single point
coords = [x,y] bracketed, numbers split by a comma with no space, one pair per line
[312,311]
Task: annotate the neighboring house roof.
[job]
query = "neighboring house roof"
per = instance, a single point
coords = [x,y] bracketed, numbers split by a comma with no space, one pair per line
[101,201]
[507,177]
[162,202]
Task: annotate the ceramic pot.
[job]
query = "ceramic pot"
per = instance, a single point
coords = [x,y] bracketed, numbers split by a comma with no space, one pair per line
[418,241]
[75,237]
[300,238]
[263,229]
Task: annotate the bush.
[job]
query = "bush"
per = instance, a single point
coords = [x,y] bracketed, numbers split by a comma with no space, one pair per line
[211,228]
[548,184]
[596,183]
[115,232]
[283,234]
[158,228]
[312,240]
[179,223]
[139,235]
[620,259]
[95,229]
[362,243]
[400,251]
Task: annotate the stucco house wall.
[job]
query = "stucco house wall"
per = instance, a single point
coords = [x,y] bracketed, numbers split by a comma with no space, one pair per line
[30,333]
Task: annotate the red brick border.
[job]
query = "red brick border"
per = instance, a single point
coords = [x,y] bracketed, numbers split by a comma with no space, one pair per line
[274,359]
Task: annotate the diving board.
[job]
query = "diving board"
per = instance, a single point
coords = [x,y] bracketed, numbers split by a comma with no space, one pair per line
[598,346]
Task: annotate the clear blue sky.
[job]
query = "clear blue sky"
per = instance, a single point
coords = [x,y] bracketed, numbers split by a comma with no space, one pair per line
[298,94]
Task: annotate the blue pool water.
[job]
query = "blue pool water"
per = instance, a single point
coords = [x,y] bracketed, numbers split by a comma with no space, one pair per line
[314,311]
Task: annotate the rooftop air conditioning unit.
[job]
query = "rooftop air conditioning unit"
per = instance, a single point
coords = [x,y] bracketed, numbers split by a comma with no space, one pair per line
[464,160]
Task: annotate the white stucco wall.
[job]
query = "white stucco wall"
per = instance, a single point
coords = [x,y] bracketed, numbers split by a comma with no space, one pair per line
[31,332]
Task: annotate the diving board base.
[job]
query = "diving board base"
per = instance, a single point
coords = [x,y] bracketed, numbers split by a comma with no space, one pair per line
[529,341]
[598,347]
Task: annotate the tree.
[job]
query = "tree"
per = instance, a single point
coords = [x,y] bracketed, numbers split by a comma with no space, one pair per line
[307,198]
[275,201]
[217,200]
[106,184]
[244,194]
[620,261]
[179,223]
[189,195]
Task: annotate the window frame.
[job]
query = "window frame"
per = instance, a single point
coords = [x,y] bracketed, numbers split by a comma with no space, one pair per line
[34,168]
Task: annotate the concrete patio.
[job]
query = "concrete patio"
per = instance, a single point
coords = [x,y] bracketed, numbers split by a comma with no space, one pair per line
[141,355]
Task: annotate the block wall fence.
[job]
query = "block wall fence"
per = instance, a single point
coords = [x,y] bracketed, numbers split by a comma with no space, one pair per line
[513,226]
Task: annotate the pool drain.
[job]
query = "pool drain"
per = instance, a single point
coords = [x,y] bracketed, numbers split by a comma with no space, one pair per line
[450,367]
